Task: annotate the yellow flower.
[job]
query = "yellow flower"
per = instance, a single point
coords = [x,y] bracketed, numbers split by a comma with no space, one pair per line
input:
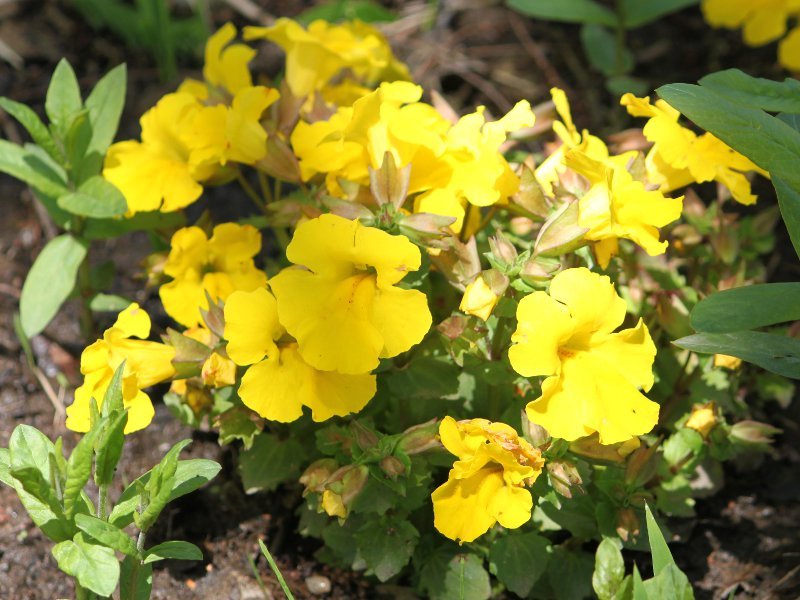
[479,299]
[155,174]
[617,206]
[679,156]
[316,56]
[762,21]
[146,363]
[592,375]
[487,483]
[344,307]
[727,362]
[226,66]
[218,134]
[703,419]
[219,266]
[789,50]
[279,382]
[218,371]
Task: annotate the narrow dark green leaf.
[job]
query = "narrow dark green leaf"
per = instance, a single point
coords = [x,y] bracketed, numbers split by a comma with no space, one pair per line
[175,550]
[112,399]
[568,11]
[670,583]
[25,166]
[789,202]
[109,448]
[105,103]
[747,307]
[772,96]
[766,140]
[63,99]
[776,353]
[639,591]
[160,486]
[107,534]
[33,125]
[641,12]
[189,476]
[96,198]
[49,282]
[519,561]
[662,557]
[136,580]
[79,469]
[101,229]
[95,567]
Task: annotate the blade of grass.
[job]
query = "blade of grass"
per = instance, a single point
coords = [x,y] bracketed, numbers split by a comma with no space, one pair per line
[276,571]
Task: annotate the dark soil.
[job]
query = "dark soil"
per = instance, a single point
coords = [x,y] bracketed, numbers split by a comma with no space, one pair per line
[745,540]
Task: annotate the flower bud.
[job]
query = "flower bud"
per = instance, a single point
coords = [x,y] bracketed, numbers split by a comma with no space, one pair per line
[535,434]
[389,184]
[754,433]
[318,473]
[539,269]
[703,419]
[563,476]
[420,438]
[280,162]
[482,294]
[627,524]
[392,466]
[364,437]
[561,234]
[503,250]
[218,371]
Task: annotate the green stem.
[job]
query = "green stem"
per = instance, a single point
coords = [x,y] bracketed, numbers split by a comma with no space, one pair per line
[140,542]
[85,293]
[264,184]
[102,501]
[251,192]
[621,42]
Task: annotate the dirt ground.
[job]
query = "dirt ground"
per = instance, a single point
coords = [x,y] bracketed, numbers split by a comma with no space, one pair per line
[745,540]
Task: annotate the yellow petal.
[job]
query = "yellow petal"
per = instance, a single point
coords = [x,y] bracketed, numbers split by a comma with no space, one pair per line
[591,298]
[140,412]
[251,326]
[543,325]
[461,506]
[133,322]
[631,352]
[401,317]
[511,506]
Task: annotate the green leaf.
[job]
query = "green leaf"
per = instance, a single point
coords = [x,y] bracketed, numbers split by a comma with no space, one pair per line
[669,583]
[79,469]
[37,485]
[386,546]
[772,96]
[159,486]
[108,303]
[136,580]
[107,534]
[49,282]
[600,48]
[747,307]
[341,10]
[5,465]
[641,12]
[96,198]
[792,120]
[270,462]
[112,399]
[102,229]
[789,202]
[639,591]
[29,447]
[238,423]
[776,353]
[24,165]
[766,140]
[63,99]
[662,557]
[465,579]
[33,125]
[519,561]
[609,569]
[108,449]
[176,550]
[95,567]
[105,103]
[568,11]
[570,574]
[681,444]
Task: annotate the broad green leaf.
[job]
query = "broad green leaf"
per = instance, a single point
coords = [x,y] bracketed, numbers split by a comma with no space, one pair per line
[159,486]
[682,444]
[136,580]
[386,546]
[96,198]
[108,303]
[766,140]
[175,550]
[789,202]
[189,475]
[102,229]
[238,423]
[79,469]
[26,166]
[776,353]
[108,449]
[662,557]
[95,567]
[609,569]
[747,307]
[33,125]
[49,282]
[341,10]
[600,48]
[35,484]
[519,561]
[670,583]
[570,574]
[29,447]
[105,103]
[107,534]
[270,462]
[5,465]
[636,13]
[792,120]
[63,99]
[568,11]
[772,96]
[465,579]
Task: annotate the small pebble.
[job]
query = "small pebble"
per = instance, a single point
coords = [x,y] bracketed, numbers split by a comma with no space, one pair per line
[318,584]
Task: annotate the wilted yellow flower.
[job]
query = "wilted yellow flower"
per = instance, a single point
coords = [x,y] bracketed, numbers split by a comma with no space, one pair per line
[592,375]
[703,419]
[617,206]
[487,483]
[314,57]
[679,156]
[343,305]
[280,383]
[219,266]
[146,363]
[218,371]
[762,21]
[479,299]
[155,174]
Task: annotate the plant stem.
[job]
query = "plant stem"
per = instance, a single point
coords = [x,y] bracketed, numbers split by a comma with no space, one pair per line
[84,292]
[619,48]
[140,542]
[276,571]
[102,501]
[251,192]
[266,192]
